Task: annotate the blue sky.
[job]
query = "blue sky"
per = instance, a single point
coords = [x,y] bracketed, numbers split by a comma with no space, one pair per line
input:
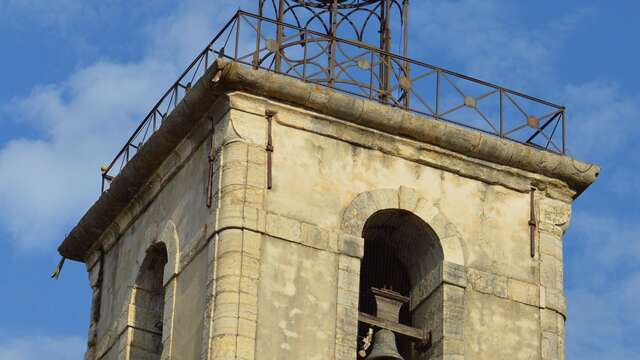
[79,75]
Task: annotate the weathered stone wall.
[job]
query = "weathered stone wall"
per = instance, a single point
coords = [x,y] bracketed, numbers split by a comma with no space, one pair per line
[171,209]
[502,304]
[274,273]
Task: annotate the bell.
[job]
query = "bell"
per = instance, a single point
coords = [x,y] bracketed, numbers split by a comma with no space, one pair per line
[384,347]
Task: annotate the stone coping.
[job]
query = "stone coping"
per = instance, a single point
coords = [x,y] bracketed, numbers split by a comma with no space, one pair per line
[578,175]
[225,76]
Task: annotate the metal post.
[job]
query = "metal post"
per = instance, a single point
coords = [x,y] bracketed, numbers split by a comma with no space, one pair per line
[437,93]
[304,57]
[332,46]
[237,45]
[501,113]
[564,131]
[405,50]
[256,54]
[385,45]
[279,37]
[533,223]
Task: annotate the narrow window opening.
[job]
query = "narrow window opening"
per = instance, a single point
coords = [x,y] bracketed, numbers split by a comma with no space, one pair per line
[380,268]
[399,251]
[149,305]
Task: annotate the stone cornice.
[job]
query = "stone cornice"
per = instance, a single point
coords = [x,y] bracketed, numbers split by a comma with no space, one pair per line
[226,76]
[578,175]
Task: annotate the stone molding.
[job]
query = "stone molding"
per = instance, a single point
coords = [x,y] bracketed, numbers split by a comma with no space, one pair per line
[401,147]
[234,76]
[366,204]
[445,284]
[369,114]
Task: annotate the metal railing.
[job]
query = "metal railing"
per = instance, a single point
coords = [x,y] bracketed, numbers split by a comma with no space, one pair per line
[362,70]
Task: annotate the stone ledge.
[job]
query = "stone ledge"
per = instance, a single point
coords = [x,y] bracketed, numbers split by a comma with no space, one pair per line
[515,290]
[136,174]
[444,273]
[394,121]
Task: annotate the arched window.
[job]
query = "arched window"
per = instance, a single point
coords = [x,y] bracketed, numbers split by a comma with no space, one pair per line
[400,250]
[148,300]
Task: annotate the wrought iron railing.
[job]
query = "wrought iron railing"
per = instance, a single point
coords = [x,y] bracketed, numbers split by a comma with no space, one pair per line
[359,69]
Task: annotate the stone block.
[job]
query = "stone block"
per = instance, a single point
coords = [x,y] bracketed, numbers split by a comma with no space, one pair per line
[551,245]
[246,348]
[282,227]
[233,174]
[229,264]
[227,283]
[524,292]
[408,198]
[223,347]
[229,241]
[314,236]
[487,283]
[556,301]
[550,321]
[549,346]
[225,325]
[454,274]
[351,245]
[257,155]
[249,285]
[230,216]
[235,151]
[251,243]
[256,176]
[250,267]
[550,272]
[426,210]
[348,281]
[349,264]
[348,298]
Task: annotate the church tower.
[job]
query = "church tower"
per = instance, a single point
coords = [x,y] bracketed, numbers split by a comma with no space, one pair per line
[307,191]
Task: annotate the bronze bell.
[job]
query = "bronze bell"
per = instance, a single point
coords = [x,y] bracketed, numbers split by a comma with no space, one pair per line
[388,303]
[384,347]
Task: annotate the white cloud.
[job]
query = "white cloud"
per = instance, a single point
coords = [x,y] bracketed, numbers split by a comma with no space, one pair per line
[601,119]
[42,347]
[488,39]
[604,287]
[46,183]
[45,12]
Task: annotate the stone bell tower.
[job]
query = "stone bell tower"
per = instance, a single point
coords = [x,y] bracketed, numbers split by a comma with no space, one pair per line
[303,192]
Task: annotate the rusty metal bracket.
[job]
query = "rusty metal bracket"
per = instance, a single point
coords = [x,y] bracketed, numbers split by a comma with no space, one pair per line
[269,148]
[533,223]
[58,270]
[211,160]
[210,181]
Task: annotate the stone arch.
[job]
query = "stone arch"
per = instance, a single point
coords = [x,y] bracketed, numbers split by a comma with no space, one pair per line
[437,291]
[148,302]
[368,203]
[166,239]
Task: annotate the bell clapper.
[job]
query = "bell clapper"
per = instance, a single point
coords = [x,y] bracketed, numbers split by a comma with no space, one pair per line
[366,343]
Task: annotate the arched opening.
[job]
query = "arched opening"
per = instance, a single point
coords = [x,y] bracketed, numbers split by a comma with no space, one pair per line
[148,299]
[400,249]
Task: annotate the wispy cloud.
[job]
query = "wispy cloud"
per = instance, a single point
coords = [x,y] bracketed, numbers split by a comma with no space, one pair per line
[42,347]
[47,182]
[602,119]
[603,299]
[491,39]
[45,12]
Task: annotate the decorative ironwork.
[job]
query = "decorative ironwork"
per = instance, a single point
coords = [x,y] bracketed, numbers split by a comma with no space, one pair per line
[313,50]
